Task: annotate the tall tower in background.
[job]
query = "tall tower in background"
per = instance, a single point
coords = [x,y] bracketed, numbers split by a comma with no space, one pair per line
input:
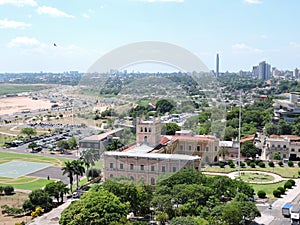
[217,66]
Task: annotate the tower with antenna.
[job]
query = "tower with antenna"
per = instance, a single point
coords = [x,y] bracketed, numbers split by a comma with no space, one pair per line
[217,66]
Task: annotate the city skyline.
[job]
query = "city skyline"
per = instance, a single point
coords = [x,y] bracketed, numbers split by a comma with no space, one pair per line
[56,36]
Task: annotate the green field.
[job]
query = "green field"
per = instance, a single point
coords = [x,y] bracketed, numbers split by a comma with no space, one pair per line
[27,183]
[268,188]
[256,177]
[8,156]
[285,171]
[15,89]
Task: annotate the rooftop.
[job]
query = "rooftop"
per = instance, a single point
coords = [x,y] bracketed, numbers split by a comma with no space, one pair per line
[100,137]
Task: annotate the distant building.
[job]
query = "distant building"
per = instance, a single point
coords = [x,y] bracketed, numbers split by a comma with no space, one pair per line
[288,146]
[255,71]
[99,141]
[264,71]
[217,66]
[287,109]
[296,73]
[154,154]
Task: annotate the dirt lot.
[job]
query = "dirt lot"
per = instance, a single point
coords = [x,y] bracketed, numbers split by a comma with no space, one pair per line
[15,200]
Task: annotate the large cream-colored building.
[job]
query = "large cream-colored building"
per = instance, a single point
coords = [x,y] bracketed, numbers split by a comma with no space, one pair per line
[288,146]
[155,154]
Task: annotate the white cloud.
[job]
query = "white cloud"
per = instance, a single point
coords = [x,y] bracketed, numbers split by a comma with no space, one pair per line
[85,15]
[23,42]
[264,36]
[54,12]
[13,24]
[253,1]
[19,3]
[241,47]
[294,44]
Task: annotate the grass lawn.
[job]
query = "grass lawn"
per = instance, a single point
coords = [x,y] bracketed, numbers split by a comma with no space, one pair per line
[268,188]
[25,183]
[14,89]
[254,177]
[8,156]
[285,171]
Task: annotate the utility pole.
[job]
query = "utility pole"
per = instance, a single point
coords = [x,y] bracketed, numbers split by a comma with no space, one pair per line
[239,149]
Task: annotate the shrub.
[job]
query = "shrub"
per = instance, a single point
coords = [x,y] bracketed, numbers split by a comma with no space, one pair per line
[281,189]
[261,194]
[292,182]
[2,189]
[271,164]
[288,185]
[252,165]
[222,165]
[261,164]
[230,162]
[8,190]
[299,163]
[280,163]
[231,165]
[290,164]
[242,164]
[277,193]
[257,162]
[248,161]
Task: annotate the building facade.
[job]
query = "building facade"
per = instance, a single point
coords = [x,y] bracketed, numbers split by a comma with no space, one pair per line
[154,154]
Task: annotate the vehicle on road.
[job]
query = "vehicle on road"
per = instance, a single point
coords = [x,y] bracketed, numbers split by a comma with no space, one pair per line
[295,214]
[286,209]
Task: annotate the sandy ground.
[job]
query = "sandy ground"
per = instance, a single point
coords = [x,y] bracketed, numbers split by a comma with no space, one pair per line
[10,105]
[15,200]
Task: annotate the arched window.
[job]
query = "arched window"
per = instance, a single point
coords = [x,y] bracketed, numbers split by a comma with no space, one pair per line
[145,129]
[141,129]
[145,139]
[149,129]
[152,181]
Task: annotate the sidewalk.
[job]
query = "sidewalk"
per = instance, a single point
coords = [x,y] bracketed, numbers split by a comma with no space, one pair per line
[52,217]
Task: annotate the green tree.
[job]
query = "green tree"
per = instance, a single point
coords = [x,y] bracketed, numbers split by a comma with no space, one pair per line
[170,128]
[162,217]
[56,190]
[89,157]
[38,198]
[8,190]
[184,220]
[72,143]
[62,144]
[114,145]
[68,169]
[248,149]
[95,207]
[223,152]
[29,131]
[277,156]
[32,145]
[78,169]
[164,105]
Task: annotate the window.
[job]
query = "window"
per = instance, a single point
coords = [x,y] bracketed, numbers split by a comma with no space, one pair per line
[284,146]
[145,139]
[181,147]
[152,181]
[163,169]
[206,149]
[141,129]
[273,145]
[111,165]
[142,167]
[152,168]
[278,146]
[145,129]
[292,150]
[174,169]
[149,130]
[216,148]
[121,166]
[190,148]
[198,148]
[131,166]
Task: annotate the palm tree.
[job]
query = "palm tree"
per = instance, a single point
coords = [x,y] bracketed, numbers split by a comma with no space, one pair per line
[62,188]
[78,169]
[89,157]
[68,169]
[223,151]
[114,145]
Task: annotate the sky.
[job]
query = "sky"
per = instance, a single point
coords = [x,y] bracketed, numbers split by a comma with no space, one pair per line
[243,32]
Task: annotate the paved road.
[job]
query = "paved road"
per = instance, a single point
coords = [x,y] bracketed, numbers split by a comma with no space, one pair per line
[273,216]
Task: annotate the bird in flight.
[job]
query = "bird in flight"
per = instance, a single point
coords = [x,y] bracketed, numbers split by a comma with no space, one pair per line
[54,45]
